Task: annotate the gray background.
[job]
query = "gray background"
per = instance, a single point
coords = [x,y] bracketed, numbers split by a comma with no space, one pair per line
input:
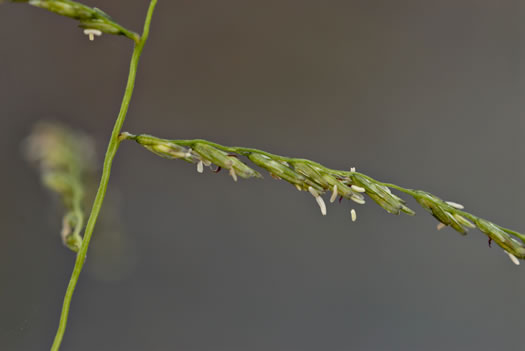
[425,94]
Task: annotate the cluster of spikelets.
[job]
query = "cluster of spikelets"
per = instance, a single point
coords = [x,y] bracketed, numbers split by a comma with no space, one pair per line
[64,159]
[313,177]
[304,174]
[93,20]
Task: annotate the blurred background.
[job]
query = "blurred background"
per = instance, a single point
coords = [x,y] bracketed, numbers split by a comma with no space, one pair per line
[424,94]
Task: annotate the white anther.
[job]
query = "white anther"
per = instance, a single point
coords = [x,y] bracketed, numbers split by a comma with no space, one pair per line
[200,167]
[353,214]
[513,258]
[352,169]
[334,194]
[313,191]
[357,199]
[233,174]
[455,205]
[91,33]
[441,226]
[358,188]
[298,187]
[321,204]
[319,200]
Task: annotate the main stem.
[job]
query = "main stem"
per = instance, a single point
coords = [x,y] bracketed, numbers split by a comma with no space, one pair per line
[114,143]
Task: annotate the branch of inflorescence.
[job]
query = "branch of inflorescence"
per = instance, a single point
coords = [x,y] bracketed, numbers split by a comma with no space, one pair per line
[108,160]
[317,179]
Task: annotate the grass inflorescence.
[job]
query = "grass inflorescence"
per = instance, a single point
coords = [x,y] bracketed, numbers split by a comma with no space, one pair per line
[93,20]
[65,158]
[317,179]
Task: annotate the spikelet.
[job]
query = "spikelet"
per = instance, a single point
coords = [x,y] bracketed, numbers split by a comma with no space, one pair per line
[65,159]
[93,20]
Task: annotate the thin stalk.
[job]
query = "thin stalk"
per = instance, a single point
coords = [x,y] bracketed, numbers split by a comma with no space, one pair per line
[77,211]
[101,193]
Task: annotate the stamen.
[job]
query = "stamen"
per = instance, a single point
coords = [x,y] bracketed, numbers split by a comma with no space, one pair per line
[357,199]
[313,191]
[358,188]
[188,153]
[353,214]
[455,205]
[321,204]
[513,258]
[233,174]
[319,200]
[334,194]
[441,226]
[200,167]
[91,33]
